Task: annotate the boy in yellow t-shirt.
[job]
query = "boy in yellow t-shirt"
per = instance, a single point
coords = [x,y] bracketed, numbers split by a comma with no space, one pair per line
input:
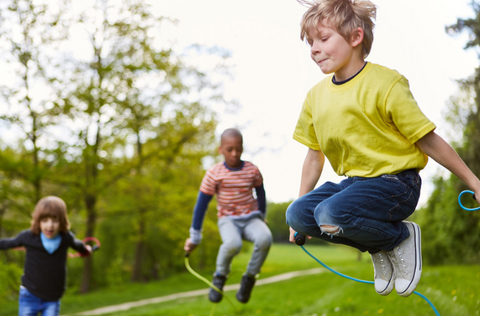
[364,119]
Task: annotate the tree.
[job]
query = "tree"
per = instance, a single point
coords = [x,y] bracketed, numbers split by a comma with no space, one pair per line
[122,129]
[447,230]
[30,30]
[129,92]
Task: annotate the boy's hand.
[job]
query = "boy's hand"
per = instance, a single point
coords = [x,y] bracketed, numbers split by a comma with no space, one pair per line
[89,249]
[292,235]
[189,246]
[476,196]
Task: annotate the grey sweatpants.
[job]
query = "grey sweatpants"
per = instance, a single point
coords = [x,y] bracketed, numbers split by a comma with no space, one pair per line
[233,230]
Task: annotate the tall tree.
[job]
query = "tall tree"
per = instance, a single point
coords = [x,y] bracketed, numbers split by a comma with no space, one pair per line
[120,97]
[30,31]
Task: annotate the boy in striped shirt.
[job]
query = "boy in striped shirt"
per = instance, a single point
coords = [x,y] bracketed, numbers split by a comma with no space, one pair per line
[240,215]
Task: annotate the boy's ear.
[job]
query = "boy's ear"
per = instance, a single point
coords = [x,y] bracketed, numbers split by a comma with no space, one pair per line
[357,36]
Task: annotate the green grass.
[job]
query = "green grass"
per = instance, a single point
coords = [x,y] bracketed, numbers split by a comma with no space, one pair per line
[454,290]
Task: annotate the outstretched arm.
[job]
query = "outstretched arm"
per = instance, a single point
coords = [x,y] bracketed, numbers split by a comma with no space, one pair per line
[439,150]
[311,172]
[8,243]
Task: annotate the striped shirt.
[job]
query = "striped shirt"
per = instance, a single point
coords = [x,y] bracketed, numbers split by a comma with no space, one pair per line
[233,188]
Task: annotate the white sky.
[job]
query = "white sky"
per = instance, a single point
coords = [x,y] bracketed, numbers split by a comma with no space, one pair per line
[273,71]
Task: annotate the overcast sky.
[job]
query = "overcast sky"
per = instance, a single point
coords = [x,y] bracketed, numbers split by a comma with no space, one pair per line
[273,71]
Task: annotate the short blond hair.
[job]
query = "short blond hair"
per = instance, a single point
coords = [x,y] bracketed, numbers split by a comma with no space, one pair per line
[345,16]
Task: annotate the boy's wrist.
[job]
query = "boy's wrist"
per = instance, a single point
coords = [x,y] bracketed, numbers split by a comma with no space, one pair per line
[195,236]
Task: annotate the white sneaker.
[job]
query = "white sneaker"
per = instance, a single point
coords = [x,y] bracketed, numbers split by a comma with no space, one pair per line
[407,261]
[383,268]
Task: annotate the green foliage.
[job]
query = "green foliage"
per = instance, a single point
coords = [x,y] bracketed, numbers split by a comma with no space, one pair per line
[449,233]
[276,221]
[119,134]
[10,275]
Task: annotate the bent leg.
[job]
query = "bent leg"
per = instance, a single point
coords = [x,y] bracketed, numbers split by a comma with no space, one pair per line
[370,211]
[257,232]
[300,215]
[231,244]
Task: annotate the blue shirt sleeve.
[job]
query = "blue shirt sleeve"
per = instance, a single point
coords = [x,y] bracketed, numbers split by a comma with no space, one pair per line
[261,199]
[200,210]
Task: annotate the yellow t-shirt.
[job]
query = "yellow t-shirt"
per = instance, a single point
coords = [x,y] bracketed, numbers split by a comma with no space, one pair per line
[367,126]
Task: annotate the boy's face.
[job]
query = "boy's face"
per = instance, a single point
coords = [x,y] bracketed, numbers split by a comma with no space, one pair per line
[49,226]
[231,148]
[332,52]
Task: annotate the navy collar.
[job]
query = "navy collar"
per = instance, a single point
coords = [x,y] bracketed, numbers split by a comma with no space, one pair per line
[347,80]
[234,169]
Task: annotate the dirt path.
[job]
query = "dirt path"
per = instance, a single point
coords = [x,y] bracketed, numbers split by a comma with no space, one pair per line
[171,297]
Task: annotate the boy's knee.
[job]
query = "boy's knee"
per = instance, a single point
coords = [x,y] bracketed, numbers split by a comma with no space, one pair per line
[290,214]
[330,229]
[264,242]
[233,247]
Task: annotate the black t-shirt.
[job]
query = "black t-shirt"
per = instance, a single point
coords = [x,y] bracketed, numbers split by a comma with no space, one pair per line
[44,273]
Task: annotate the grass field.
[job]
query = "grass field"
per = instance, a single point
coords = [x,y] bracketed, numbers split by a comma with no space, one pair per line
[454,290]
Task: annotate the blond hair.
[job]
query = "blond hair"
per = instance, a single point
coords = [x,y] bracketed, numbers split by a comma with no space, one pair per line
[345,16]
[50,206]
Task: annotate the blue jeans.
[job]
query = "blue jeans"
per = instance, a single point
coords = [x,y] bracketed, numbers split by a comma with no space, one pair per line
[368,212]
[30,305]
[233,230]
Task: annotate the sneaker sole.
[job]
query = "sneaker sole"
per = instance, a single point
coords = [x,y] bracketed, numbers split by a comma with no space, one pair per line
[418,261]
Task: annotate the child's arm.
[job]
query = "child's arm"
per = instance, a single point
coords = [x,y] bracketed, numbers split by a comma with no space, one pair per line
[440,151]
[311,172]
[197,221]
[261,199]
[79,245]
[8,243]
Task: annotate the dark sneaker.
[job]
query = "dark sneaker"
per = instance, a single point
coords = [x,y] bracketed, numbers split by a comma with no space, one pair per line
[407,261]
[214,295]
[383,268]
[246,286]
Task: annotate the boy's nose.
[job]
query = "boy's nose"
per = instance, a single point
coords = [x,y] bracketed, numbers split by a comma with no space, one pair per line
[315,48]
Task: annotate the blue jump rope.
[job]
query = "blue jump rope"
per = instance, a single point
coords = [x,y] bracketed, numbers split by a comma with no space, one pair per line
[300,240]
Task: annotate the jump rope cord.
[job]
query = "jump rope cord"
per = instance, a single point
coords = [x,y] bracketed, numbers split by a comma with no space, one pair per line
[364,281]
[466,208]
[187,264]
[370,282]
[189,268]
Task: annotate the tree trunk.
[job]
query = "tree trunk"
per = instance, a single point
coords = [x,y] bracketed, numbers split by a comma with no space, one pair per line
[90,202]
[139,250]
